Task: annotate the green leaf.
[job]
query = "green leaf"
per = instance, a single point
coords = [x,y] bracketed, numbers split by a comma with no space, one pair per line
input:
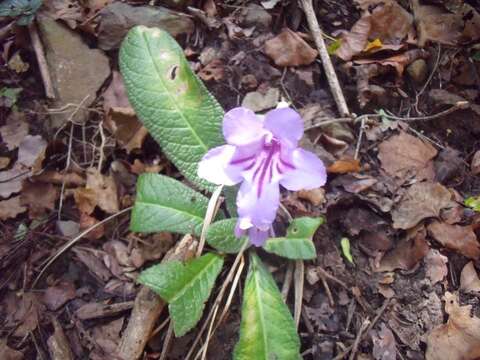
[186,288]
[345,244]
[165,204]
[334,46]
[173,104]
[25,9]
[267,330]
[221,236]
[473,202]
[298,243]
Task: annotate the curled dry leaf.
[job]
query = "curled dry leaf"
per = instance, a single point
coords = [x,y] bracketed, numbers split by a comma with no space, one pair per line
[121,119]
[345,166]
[421,201]
[56,296]
[435,24]
[14,130]
[475,165]
[387,24]
[105,190]
[407,253]
[469,281]
[456,237]
[11,208]
[459,338]
[58,343]
[289,49]
[214,70]
[316,196]
[436,265]
[39,197]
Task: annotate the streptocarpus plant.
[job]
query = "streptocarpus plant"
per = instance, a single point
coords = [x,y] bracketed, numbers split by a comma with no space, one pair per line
[261,153]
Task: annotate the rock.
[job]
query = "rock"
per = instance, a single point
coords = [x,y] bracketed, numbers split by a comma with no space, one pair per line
[117,18]
[255,15]
[418,71]
[256,101]
[77,71]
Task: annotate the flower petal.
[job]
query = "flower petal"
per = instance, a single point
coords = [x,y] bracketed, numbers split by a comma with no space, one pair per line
[309,172]
[259,211]
[241,127]
[215,166]
[285,124]
[257,237]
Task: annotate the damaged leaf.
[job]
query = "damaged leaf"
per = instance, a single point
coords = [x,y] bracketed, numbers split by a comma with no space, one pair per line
[289,49]
[456,237]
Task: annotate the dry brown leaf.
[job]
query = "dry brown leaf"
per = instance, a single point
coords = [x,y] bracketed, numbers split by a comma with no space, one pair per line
[469,281]
[4,162]
[459,338]
[289,49]
[475,165]
[354,41]
[407,253]
[403,155]
[31,152]
[436,265]
[70,179]
[38,197]
[11,208]
[58,343]
[56,296]
[387,24]
[85,199]
[344,166]
[456,237]
[87,221]
[15,130]
[421,201]
[105,190]
[384,344]
[435,24]
[214,70]
[9,353]
[316,196]
[398,62]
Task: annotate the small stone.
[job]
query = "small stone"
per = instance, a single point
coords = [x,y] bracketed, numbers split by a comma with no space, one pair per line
[256,15]
[418,71]
[117,18]
[77,71]
[256,101]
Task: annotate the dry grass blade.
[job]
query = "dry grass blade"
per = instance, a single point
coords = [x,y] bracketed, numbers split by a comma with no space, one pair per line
[166,342]
[213,205]
[74,241]
[299,281]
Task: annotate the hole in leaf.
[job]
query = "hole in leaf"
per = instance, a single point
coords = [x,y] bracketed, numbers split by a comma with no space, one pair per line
[173,72]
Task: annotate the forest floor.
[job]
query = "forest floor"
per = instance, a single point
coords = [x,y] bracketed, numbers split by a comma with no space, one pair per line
[403,185]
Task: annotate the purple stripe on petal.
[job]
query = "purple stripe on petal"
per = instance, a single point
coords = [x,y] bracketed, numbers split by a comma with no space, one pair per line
[239,161]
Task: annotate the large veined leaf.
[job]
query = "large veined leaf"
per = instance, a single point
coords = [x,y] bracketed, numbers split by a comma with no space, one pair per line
[185,287]
[165,204]
[297,244]
[173,104]
[221,236]
[267,330]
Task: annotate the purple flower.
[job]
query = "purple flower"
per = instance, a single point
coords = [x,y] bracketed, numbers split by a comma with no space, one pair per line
[262,153]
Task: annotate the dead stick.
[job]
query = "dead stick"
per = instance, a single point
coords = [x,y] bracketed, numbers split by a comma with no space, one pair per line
[42,61]
[326,61]
[148,306]
[358,338]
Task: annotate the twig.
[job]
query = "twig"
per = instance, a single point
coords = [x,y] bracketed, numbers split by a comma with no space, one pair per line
[148,306]
[299,281]
[209,333]
[360,136]
[327,290]
[166,342]
[67,166]
[102,146]
[331,277]
[213,205]
[370,327]
[287,282]
[326,61]
[42,61]
[74,241]
[365,324]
